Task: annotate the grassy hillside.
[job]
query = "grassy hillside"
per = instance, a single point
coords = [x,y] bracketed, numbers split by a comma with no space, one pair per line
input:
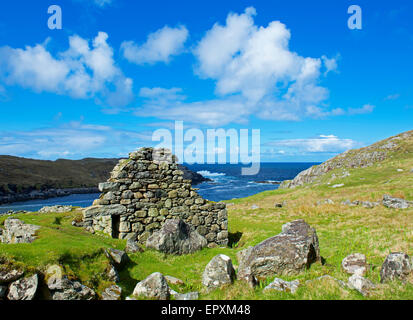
[341,229]
[20,174]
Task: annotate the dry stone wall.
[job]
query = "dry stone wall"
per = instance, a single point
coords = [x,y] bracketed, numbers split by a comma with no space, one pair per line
[146,190]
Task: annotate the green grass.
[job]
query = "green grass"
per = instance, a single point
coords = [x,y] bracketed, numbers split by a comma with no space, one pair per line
[342,230]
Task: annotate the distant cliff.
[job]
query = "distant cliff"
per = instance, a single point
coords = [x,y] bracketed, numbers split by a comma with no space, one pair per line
[25,179]
[359,158]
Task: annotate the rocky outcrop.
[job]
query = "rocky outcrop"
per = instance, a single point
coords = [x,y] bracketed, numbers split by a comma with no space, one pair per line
[396,203]
[24,289]
[43,194]
[292,251]
[195,177]
[154,286]
[148,189]
[396,266]
[360,158]
[16,231]
[355,263]
[218,272]
[56,209]
[176,237]
[282,285]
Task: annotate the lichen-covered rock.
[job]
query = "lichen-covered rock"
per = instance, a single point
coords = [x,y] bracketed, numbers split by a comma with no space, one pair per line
[7,276]
[117,257]
[291,251]
[24,289]
[360,284]
[355,263]
[218,272]
[282,285]
[396,266]
[112,293]
[396,203]
[132,246]
[176,237]
[16,231]
[154,286]
[61,288]
[71,290]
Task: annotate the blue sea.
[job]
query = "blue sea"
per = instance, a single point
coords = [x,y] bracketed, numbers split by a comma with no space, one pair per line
[227,183]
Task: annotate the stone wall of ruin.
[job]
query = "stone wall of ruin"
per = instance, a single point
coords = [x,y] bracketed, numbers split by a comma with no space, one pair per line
[146,190]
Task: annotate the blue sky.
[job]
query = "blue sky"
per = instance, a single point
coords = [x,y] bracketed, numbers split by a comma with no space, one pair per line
[118,70]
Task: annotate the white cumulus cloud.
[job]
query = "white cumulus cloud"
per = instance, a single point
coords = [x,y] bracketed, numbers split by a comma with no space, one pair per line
[85,70]
[320,144]
[160,46]
[255,72]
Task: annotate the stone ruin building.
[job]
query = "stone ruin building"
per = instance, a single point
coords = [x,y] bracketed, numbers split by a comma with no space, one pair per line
[147,189]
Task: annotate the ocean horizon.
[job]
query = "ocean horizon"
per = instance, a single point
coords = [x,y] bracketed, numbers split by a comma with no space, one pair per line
[226,183]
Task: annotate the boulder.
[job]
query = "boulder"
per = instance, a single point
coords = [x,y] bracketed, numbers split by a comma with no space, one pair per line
[71,290]
[291,251]
[396,203]
[154,286]
[117,257]
[112,293]
[396,266]
[23,289]
[132,246]
[176,237]
[355,263]
[218,272]
[360,284]
[7,276]
[16,231]
[281,285]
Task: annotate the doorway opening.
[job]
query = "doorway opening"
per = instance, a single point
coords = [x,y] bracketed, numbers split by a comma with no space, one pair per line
[115,226]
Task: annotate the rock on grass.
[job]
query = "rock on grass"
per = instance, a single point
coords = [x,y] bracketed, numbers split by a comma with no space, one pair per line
[396,266]
[218,272]
[291,251]
[154,286]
